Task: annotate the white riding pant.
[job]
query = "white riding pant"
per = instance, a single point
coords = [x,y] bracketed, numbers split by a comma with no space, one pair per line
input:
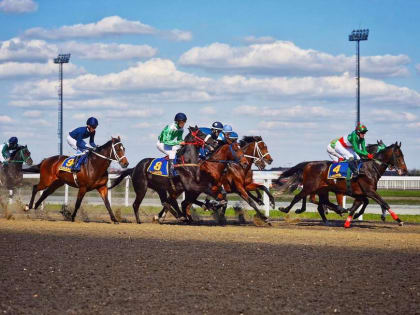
[346,153]
[169,150]
[1,155]
[73,143]
[333,154]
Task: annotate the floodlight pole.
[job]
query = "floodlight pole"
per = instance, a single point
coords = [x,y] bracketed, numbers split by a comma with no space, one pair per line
[357,36]
[62,58]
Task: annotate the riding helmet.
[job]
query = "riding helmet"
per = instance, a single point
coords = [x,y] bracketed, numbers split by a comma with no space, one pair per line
[361,128]
[13,140]
[180,117]
[227,128]
[92,121]
[233,135]
[217,125]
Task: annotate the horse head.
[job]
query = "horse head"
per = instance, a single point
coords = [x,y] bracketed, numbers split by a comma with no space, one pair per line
[118,152]
[255,148]
[235,153]
[22,155]
[393,156]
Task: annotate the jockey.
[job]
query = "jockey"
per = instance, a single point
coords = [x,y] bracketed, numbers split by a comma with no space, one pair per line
[351,147]
[233,137]
[7,148]
[75,139]
[213,132]
[170,138]
[227,129]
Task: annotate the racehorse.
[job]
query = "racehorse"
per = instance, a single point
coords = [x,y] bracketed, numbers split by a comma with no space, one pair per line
[93,175]
[371,148]
[239,180]
[365,185]
[11,174]
[188,157]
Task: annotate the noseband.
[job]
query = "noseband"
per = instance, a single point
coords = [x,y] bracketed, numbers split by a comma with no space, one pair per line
[113,151]
[259,156]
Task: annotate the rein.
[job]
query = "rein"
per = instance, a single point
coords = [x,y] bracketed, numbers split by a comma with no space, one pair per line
[226,161]
[116,159]
[198,141]
[24,159]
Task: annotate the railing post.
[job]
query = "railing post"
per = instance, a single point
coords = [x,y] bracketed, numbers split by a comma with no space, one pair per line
[66,194]
[109,191]
[267,184]
[127,190]
[10,196]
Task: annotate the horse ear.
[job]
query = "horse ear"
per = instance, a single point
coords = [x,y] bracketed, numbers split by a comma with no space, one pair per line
[399,145]
[119,138]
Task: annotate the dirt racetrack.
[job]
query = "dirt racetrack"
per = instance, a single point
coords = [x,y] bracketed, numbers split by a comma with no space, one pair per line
[97,268]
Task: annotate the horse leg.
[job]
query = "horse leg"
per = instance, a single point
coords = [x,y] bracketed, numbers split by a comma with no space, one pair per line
[356,204]
[140,191]
[365,204]
[103,191]
[295,200]
[80,194]
[256,199]
[384,206]
[303,209]
[323,197]
[243,193]
[53,187]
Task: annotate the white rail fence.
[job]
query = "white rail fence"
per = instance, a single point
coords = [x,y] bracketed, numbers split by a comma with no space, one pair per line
[266,178]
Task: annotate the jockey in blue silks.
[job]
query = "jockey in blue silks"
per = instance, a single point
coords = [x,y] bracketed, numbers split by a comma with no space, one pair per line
[227,129]
[213,132]
[75,140]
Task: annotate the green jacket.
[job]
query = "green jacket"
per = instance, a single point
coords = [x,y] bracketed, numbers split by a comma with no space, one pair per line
[359,145]
[171,135]
[5,151]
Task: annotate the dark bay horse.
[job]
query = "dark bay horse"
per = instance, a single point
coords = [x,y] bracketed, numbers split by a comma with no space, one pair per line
[142,179]
[362,187]
[11,174]
[93,174]
[297,171]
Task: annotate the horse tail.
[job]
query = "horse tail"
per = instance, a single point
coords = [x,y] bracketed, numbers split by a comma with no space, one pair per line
[123,174]
[294,177]
[33,169]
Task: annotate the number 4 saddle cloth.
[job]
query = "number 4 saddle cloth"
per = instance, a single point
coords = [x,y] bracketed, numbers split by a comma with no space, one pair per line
[159,166]
[341,170]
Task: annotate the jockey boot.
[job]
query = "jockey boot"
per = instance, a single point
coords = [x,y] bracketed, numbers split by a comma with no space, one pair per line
[353,166]
[172,172]
[76,164]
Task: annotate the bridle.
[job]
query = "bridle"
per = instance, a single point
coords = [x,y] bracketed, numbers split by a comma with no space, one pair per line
[23,157]
[257,155]
[113,151]
[198,141]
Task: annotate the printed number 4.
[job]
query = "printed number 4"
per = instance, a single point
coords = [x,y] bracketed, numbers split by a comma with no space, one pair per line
[337,169]
[158,166]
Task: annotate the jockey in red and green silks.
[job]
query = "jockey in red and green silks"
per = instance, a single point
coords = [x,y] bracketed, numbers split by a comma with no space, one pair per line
[351,147]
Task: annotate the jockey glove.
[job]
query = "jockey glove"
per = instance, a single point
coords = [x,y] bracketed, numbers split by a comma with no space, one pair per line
[370,156]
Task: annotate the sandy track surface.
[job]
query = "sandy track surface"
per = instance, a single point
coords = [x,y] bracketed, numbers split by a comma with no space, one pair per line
[84,268]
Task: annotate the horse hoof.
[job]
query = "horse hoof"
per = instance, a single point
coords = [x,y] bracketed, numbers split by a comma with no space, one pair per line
[116,222]
[299,211]
[283,210]
[401,223]
[383,218]
[26,208]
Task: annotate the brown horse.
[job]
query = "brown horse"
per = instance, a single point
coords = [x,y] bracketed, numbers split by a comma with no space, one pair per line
[362,187]
[93,174]
[239,180]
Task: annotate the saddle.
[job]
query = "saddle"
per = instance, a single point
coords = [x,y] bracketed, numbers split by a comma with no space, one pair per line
[159,166]
[73,163]
[341,170]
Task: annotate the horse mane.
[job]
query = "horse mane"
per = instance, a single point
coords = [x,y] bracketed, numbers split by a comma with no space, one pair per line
[249,139]
[104,145]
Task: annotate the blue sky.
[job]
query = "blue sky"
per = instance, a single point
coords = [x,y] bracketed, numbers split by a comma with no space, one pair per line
[280,69]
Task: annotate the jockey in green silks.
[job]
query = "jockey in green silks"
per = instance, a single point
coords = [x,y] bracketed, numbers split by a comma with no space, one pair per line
[350,148]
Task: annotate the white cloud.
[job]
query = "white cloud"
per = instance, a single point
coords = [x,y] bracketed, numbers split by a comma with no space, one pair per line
[32,113]
[18,6]
[108,26]
[285,58]
[273,124]
[286,112]
[12,70]
[259,40]
[208,110]
[17,50]
[147,125]
[390,115]
[414,125]
[108,51]
[5,119]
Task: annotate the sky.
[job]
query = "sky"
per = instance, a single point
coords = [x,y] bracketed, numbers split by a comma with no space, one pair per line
[283,70]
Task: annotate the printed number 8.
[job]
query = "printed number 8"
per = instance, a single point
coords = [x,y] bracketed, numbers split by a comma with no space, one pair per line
[158,166]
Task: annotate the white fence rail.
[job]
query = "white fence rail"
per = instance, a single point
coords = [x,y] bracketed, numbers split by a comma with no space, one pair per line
[266,178]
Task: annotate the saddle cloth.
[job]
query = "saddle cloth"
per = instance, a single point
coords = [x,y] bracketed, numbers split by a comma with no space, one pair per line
[340,170]
[159,167]
[67,164]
